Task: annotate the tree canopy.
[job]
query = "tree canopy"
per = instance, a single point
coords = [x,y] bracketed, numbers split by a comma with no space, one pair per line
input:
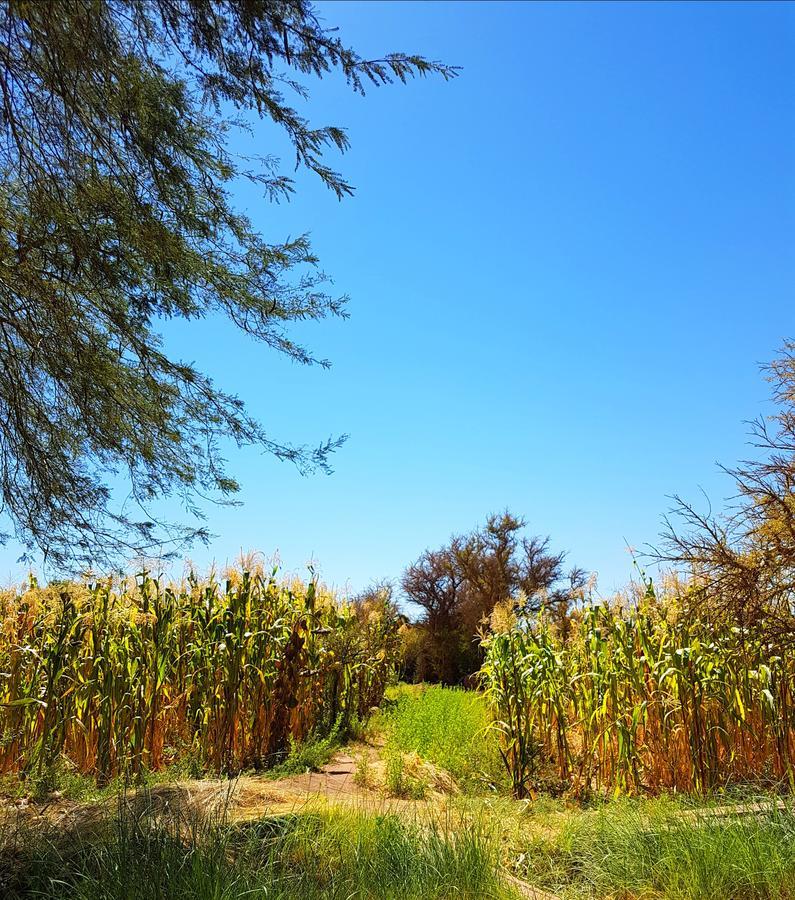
[115,125]
[458,586]
[741,561]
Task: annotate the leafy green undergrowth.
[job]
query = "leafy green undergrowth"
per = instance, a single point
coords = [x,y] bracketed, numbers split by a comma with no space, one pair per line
[448,727]
[323,853]
[664,849]
[309,756]
[64,782]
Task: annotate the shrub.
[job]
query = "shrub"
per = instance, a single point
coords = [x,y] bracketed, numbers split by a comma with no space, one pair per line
[448,727]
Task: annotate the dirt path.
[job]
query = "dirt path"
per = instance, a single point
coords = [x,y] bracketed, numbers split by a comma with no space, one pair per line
[254,796]
[244,798]
[527,890]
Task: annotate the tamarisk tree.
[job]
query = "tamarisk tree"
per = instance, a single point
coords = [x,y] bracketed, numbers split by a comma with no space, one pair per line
[741,560]
[458,586]
[116,126]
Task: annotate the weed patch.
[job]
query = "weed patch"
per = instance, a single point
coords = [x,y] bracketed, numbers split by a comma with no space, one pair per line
[448,727]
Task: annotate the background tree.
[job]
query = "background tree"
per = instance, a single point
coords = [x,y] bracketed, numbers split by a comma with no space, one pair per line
[435,583]
[115,125]
[458,586]
[741,563]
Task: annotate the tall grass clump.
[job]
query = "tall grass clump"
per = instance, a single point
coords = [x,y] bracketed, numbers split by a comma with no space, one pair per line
[120,678]
[665,850]
[641,698]
[334,854]
[448,727]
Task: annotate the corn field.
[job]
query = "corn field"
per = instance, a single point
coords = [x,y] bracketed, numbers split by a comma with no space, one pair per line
[639,699]
[126,678]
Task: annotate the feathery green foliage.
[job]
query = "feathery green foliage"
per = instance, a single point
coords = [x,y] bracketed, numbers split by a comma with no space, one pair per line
[116,126]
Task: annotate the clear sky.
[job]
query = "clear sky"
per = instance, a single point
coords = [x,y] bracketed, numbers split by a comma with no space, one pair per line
[564,267]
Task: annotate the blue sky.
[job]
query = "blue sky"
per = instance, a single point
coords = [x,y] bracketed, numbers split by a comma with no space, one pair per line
[565,267]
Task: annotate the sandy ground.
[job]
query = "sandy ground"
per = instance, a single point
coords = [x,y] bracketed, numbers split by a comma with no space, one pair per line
[244,798]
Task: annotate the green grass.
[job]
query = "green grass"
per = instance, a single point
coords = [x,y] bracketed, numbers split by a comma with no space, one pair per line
[309,756]
[448,727]
[664,849]
[325,853]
